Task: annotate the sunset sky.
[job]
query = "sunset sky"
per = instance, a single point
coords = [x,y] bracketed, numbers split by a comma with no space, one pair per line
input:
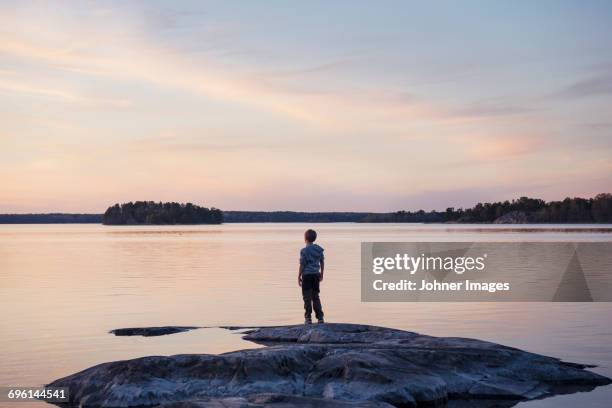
[368,106]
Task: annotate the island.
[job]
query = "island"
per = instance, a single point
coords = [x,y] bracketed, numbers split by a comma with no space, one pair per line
[153,213]
[333,365]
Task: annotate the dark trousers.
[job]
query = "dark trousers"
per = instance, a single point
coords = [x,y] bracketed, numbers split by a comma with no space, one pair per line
[310,293]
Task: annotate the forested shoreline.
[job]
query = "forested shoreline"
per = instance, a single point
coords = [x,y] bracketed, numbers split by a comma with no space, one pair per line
[524,210]
[51,218]
[596,210]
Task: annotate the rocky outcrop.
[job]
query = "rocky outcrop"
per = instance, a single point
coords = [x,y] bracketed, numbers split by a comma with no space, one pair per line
[274,401]
[513,217]
[152,331]
[332,365]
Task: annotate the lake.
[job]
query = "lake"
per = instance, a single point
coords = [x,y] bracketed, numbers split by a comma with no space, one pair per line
[63,287]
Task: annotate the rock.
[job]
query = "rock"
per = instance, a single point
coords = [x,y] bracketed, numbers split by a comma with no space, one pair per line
[342,333]
[274,401]
[333,365]
[513,217]
[151,331]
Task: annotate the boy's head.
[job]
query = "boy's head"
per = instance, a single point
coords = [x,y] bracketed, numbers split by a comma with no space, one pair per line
[310,236]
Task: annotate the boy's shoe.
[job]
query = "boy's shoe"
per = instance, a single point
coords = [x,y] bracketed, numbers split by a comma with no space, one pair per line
[320,321]
[308,321]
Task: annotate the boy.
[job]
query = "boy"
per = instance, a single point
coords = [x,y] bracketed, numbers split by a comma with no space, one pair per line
[310,274]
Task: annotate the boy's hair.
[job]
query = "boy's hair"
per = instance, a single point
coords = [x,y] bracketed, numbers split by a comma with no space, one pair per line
[310,235]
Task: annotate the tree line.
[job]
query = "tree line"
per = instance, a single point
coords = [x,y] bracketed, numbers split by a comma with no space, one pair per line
[529,210]
[523,210]
[292,216]
[153,213]
[50,218]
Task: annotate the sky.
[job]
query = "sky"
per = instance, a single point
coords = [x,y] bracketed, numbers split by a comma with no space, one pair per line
[306,106]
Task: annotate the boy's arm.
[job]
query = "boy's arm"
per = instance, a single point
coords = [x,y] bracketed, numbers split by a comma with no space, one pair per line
[301,270]
[322,269]
[300,273]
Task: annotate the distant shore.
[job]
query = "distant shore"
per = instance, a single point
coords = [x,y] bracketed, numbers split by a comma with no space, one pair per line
[233,217]
[229,217]
[524,210]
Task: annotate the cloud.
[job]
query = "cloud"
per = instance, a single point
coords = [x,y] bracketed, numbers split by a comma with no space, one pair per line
[87,48]
[212,111]
[487,148]
[13,86]
[594,86]
[131,55]
[202,142]
[324,67]
[492,107]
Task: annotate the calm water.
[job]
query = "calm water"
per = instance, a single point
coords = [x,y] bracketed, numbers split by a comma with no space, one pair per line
[63,287]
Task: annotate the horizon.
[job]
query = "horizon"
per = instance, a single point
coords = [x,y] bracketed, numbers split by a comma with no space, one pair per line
[208,103]
[286,210]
